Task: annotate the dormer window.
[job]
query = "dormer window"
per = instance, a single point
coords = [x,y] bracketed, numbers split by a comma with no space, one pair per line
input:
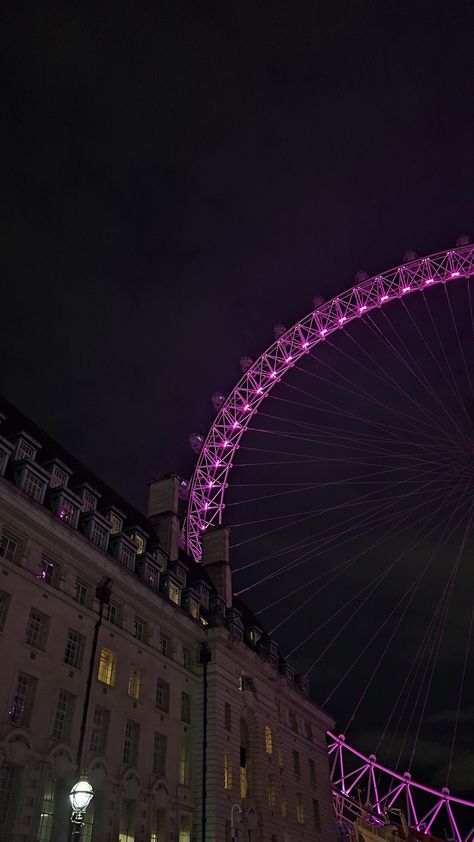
[99,535]
[116,519]
[193,607]
[139,539]
[149,572]
[180,573]
[68,513]
[127,557]
[174,592]
[59,478]
[6,449]
[97,529]
[32,479]
[25,447]
[66,504]
[89,498]
[204,596]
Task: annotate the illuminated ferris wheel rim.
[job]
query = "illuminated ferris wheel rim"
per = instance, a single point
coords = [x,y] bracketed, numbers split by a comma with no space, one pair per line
[215,460]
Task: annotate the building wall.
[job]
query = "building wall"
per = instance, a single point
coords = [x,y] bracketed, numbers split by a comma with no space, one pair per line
[37,770]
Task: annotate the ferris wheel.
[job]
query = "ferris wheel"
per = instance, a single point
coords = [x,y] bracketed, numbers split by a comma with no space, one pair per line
[343,461]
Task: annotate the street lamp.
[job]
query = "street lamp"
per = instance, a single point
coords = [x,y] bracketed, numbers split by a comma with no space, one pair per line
[80,797]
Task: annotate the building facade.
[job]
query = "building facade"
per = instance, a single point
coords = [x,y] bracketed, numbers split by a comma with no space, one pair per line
[191,708]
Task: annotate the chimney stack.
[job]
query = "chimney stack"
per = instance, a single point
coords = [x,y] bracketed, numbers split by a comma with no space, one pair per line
[215,558]
[163,512]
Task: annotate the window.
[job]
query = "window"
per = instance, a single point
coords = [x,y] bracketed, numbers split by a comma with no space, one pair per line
[268,740]
[299,808]
[89,501]
[100,728]
[116,523]
[37,630]
[185,707]
[152,577]
[130,743]
[58,478]
[141,630]
[45,828]
[183,767]
[187,658]
[74,649]
[280,757]
[139,540]
[193,607]
[227,716]
[165,644]
[22,702]
[308,731]
[134,683]
[292,721]
[159,754]
[33,486]
[127,556]
[99,535]
[316,816]
[296,763]
[271,792]
[227,771]
[107,667]
[7,786]
[283,807]
[8,547]
[312,771]
[4,603]
[162,700]
[112,613]
[67,512]
[180,573]
[63,716]
[48,571]
[82,592]
[24,451]
[174,593]
[204,596]
[184,828]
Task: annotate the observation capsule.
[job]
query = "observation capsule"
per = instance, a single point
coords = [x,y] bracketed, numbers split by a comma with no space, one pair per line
[463,240]
[318,300]
[196,441]
[409,256]
[245,363]
[217,399]
[278,330]
[183,489]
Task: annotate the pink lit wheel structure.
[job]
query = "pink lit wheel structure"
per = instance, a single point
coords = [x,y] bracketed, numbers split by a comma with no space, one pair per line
[312,338]
[210,477]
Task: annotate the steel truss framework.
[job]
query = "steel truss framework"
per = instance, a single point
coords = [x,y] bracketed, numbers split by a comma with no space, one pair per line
[425,809]
[386,788]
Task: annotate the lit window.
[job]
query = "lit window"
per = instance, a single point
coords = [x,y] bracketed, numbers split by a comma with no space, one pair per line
[67,512]
[100,728]
[58,478]
[316,816]
[48,571]
[45,828]
[74,649]
[152,577]
[140,542]
[8,547]
[99,535]
[24,451]
[162,699]
[296,763]
[185,707]
[165,644]
[193,606]
[130,743]
[134,683]
[107,667]
[174,593]
[268,740]
[271,792]
[244,789]
[141,630]
[19,711]
[63,716]
[116,523]
[227,716]
[4,604]
[82,592]
[227,771]
[159,754]
[299,808]
[37,630]
[312,771]
[183,766]
[283,808]
[33,486]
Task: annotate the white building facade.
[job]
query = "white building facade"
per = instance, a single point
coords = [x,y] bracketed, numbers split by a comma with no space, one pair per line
[191,710]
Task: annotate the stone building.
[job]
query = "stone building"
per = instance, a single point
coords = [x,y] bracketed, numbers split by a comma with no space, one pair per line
[191,708]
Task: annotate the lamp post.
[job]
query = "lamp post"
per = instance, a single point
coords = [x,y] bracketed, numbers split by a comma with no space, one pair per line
[82,792]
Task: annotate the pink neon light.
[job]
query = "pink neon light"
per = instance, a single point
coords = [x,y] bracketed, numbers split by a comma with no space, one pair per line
[323,332]
[210,483]
[235,425]
[289,359]
[273,375]
[246,407]
[363,308]
[225,443]
[384,298]
[305,345]
[342,320]
[406,289]
[259,391]
[455,274]
[217,463]
[429,281]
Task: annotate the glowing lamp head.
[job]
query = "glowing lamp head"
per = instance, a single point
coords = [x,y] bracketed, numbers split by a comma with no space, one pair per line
[81,795]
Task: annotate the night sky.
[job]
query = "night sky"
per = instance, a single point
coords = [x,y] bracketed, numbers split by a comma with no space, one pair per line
[178,179]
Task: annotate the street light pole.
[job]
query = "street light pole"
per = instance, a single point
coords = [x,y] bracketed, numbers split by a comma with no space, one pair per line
[82,792]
